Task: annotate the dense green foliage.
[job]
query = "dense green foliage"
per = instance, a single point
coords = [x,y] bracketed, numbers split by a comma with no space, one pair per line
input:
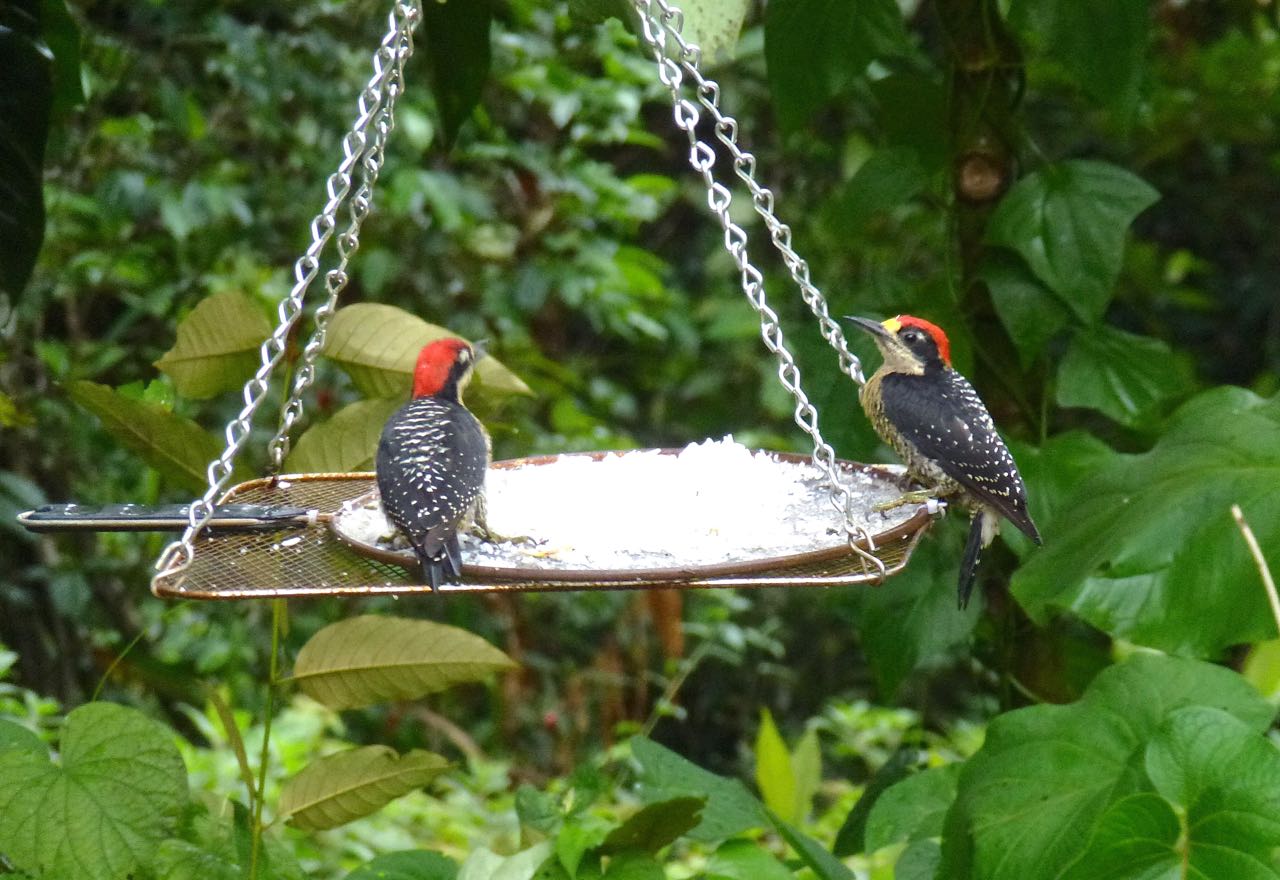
[1080,191]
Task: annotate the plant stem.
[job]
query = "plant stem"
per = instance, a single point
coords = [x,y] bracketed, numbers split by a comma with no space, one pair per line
[1268,583]
[277,622]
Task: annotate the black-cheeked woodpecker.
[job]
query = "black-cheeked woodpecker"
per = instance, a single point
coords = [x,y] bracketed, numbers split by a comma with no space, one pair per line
[938,425]
[432,459]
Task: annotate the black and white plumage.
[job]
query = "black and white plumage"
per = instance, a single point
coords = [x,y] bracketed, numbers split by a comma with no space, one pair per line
[432,458]
[935,421]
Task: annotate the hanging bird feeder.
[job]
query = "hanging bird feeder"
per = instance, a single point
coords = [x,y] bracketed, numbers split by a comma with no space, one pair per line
[828,522]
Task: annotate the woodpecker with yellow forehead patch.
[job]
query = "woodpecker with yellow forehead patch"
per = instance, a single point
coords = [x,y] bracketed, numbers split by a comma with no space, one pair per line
[936,422]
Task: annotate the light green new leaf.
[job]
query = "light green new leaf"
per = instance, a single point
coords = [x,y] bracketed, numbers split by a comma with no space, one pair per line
[347,441]
[1029,798]
[175,446]
[1145,548]
[775,775]
[100,814]
[340,788]
[1124,376]
[217,345]
[713,26]
[1068,221]
[806,762]
[377,345]
[372,659]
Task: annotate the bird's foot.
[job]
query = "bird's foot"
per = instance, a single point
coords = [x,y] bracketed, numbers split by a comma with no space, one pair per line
[489,536]
[920,496]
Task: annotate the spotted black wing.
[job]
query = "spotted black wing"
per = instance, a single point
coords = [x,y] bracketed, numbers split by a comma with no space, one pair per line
[943,417]
[431,464]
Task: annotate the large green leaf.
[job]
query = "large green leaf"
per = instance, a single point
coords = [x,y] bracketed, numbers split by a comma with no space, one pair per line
[347,441]
[217,345]
[456,34]
[1028,310]
[714,25]
[346,786]
[1068,221]
[26,98]
[913,809]
[378,345]
[1145,547]
[175,446]
[1029,799]
[371,659]
[730,807]
[413,864]
[100,813]
[1102,44]
[815,48]
[1127,377]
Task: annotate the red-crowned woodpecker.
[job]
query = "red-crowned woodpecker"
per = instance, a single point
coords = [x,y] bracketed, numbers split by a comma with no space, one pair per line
[936,422]
[432,459]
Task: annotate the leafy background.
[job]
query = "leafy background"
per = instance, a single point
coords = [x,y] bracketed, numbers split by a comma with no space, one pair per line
[1081,193]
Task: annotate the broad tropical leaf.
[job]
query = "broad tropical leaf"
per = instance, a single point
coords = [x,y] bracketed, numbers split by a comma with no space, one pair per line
[347,441]
[217,345]
[340,788]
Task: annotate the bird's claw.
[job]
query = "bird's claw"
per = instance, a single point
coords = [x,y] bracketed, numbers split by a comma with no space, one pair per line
[921,496]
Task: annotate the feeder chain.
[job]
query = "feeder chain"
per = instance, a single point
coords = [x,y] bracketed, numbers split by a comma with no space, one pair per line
[396,46]
[762,198]
[376,105]
[655,29]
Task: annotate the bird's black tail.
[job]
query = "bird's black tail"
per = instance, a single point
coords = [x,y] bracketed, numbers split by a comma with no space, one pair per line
[443,568]
[969,563]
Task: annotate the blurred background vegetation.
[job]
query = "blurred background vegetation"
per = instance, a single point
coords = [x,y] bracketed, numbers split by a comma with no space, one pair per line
[927,163]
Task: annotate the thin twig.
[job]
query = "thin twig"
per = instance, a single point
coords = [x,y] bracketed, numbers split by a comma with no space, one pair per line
[1268,582]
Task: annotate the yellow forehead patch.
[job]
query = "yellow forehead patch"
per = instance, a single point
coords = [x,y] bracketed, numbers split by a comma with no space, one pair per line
[893,325]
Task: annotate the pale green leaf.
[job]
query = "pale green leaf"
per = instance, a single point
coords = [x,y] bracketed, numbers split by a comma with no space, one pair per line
[175,446]
[100,814]
[775,775]
[372,659]
[378,345]
[340,788]
[347,441]
[713,26]
[806,763]
[482,864]
[217,346]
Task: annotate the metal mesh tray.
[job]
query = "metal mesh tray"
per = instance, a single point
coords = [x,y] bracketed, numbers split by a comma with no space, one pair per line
[312,561]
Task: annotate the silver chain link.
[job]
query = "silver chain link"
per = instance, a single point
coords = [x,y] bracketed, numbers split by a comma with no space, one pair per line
[668,21]
[362,152]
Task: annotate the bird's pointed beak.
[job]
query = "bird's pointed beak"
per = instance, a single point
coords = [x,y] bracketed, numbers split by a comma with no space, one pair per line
[480,347]
[875,328]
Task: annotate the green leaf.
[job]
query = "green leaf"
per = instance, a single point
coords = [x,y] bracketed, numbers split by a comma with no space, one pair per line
[806,762]
[217,346]
[340,788]
[1145,547]
[180,860]
[634,866]
[1124,376]
[413,864]
[347,441]
[1102,44]
[823,864]
[852,837]
[730,807]
[370,659]
[456,33]
[713,26]
[745,860]
[576,838]
[775,775]
[1027,801]
[537,810]
[483,864]
[100,814]
[26,99]
[919,861]
[1136,838]
[1028,310]
[15,736]
[815,48]
[1068,221]
[913,621]
[378,345]
[63,39]
[890,177]
[914,809]
[175,446]
[655,825]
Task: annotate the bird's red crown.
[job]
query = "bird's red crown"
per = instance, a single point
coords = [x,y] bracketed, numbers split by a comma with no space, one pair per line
[935,333]
[435,364]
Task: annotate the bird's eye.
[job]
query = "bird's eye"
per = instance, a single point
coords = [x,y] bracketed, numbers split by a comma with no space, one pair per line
[911,336]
